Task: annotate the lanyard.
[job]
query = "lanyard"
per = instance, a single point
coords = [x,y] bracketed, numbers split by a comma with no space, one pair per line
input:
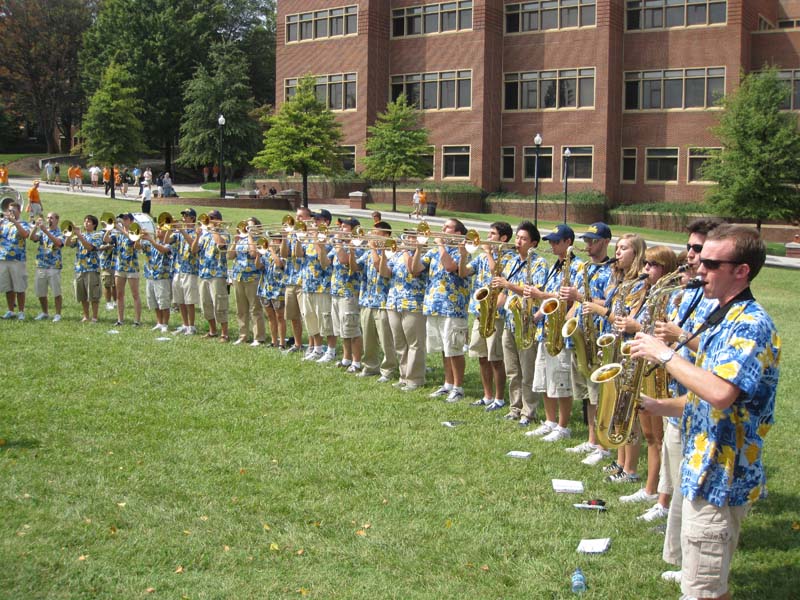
[698,296]
[716,317]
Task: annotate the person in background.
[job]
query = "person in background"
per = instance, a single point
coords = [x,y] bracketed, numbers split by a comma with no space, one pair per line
[34,206]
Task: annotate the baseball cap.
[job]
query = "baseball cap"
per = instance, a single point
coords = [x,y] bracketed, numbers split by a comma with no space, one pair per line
[215,214]
[352,222]
[189,211]
[323,214]
[559,233]
[597,231]
[128,216]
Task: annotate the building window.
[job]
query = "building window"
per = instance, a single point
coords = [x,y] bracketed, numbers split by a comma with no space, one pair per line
[348,156]
[432,18]
[337,92]
[434,91]
[579,165]
[662,165]
[322,24]
[507,163]
[665,14]
[528,17]
[697,158]
[628,165]
[536,90]
[791,79]
[782,23]
[674,88]
[427,158]
[455,161]
[545,163]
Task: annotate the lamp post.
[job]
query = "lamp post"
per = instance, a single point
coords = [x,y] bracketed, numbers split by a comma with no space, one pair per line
[537,141]
[221,121]
[567,154]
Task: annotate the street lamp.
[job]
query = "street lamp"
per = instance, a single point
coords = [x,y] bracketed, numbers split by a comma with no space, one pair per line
[567,154]
[538,144]
[221,121]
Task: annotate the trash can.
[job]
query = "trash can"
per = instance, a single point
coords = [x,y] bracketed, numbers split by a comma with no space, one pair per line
[431,210]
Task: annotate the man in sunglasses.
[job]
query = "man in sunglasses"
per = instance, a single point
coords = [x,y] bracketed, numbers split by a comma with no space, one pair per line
[728,409]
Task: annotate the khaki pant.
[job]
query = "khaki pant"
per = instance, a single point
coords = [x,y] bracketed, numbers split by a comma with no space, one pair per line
[214,299]
[408,331]
[519,365]
[377,335]
[248,309]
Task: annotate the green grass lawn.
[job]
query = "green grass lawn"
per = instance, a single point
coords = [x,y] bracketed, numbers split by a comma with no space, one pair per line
[135,468]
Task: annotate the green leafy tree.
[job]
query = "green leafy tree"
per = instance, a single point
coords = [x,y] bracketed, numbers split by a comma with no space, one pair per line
[303,137]
[758,169]
[396,145]
[225,90]
[112,129]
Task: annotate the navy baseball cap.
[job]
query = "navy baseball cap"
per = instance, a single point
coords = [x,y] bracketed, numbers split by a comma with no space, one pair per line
[323,214]
[560,232]
[597,231]
[189,211]
[128,216]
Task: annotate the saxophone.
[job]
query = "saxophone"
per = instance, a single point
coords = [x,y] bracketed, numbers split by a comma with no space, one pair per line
[609,344]
[556,312]
[486,297]
[520,308]
[623,382]
[583,332]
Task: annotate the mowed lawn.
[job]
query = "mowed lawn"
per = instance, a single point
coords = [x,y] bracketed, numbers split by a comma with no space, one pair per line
[138,468]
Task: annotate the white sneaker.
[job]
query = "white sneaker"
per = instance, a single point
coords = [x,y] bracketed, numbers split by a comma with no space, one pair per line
[20,316]
[584,448]
[164,329]
[179,330]
[595,457]
[639,496]
[57,319]
[156,327]
[192,330]
[559,433]
[672,576]
[255,343]
[543,429]
[110,306]
[41,317]
[326,357]
[313,355]
[9,315]
[655,513]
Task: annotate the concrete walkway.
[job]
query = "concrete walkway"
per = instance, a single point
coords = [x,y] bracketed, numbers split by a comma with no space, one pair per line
[365,216]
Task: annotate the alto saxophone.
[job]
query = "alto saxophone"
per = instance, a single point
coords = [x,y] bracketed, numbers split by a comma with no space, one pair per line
[520,309]
[583,332]
[486,297]
[556,312]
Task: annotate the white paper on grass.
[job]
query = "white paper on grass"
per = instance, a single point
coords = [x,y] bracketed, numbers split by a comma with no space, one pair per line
[568,486]
[519,454]
[163,339]
[596,546]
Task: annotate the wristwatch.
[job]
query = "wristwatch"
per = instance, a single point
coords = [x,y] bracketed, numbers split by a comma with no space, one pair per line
[666,356]
[683,338]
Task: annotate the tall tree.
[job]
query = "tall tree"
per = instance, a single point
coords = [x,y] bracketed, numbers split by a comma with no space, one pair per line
[225,90]
[758,170]
[303,137]
[112,130]
[39,42]
[396,145]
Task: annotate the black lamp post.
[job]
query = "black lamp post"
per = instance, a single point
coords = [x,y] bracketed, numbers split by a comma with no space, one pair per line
[537,141]
[567,154]
[221,121]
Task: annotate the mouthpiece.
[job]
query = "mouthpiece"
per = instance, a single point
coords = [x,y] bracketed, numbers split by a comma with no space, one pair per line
[642,277]
[695,283]
[611,261]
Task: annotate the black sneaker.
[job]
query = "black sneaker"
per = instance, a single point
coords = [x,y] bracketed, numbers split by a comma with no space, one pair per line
[614,468]
[117,323]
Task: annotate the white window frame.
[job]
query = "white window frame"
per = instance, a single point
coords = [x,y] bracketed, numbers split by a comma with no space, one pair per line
[635,166]
[689,164]
[513,157]
[533,157]
[677,179]
[572,152]
[469,154]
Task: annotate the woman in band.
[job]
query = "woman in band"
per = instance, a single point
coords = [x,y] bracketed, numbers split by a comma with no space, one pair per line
[271,289]
[245,275]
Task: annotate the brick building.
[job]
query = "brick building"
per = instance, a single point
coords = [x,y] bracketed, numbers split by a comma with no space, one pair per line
[627,86]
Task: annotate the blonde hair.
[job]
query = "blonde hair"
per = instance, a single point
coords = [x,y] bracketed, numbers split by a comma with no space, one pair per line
[639,247]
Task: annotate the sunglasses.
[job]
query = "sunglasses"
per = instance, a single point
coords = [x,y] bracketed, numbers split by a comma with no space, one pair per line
[712,264]
[651,263]
[696,248]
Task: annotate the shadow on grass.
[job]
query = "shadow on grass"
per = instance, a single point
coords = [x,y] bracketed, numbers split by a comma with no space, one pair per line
[773,529]
[760,581]
[16,444]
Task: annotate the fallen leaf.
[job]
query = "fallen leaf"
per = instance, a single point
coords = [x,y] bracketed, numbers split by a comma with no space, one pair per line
[242,471]
[448,523]
[179,569]
[26,496]
[150,590]
[87,521]
[796,525]
[274,461]
[367,525]
[301,552]
[361,532]
[121,504]
[484,567]
[302,591]
[112,530]
[274,547]
[386,501]
[226,548]
[82,557]
[3,442]
[187,532]
[204,518]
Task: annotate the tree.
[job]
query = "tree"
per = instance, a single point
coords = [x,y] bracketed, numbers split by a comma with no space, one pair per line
[112,130]
[39,42]
[758,169]
[396,145]
[303,137]
[225,90]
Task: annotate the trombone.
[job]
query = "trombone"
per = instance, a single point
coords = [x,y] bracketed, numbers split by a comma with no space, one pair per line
[69,231]
[205,224]
[108,221]
[286,225]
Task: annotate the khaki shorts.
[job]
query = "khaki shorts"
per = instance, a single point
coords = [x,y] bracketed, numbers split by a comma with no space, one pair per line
[186,289]
[214,299]
[13,276]
[107,279]
[447,334]
[316,310]
[47,278]
[87,287]
[583,388]
[709,535]
[36,209]
[552,375]
[346,316]
[124,275]
[159,294]
[277,304]
[292,303]
[669,475]
[490,348]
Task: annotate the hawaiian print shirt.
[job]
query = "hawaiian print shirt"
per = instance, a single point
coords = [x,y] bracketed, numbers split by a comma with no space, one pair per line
[406,292]
[244,266]
[483,275]
[516,272]
[344,282]
[126,257]
[213,260]
[12,245]
[88,261]
[723,448]
[374,289]
[447,294]
[185,261]
[158,266]
[315,278]
[272,284]
[553,284]
[48,256]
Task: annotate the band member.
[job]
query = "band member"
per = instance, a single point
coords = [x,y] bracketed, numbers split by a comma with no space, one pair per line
[488,351]
[345,312]
[48,264]
[526,269]
[158,275]
[211,248]
[316,299]
[293,268]
[552,374]
[372,297]
[126,267]
[598,272]
[272,289]
[185,283]
[87,267]
[246,274]
[13,272]
[727,412]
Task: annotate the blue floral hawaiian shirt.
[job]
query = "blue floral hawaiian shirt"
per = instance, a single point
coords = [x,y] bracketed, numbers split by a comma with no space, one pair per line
[447,294]
[48,256]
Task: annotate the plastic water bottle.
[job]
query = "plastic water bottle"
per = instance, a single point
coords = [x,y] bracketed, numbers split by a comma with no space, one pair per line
[578,581]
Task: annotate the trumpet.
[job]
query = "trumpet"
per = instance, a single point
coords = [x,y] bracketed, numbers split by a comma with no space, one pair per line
[69,230]
[108,220]
[135,232]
